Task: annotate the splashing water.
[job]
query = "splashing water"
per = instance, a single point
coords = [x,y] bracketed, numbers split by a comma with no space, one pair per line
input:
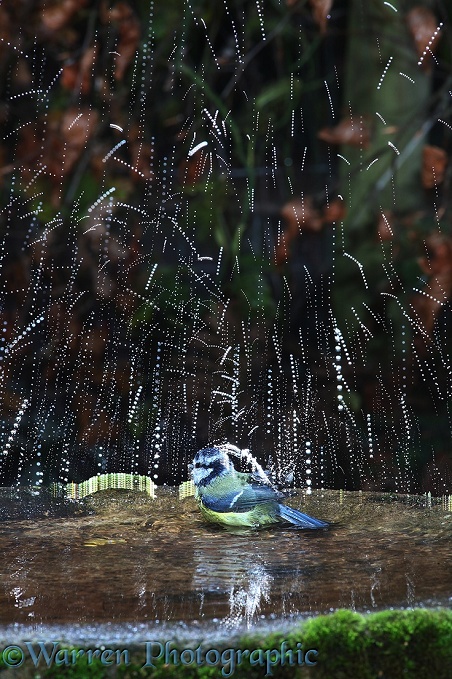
[155,295]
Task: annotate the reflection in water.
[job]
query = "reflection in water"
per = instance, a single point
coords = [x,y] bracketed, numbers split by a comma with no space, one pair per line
[374,586]
[246,601]
[410,590]
[258,590]
[18,592]
[20,602]
[239,571]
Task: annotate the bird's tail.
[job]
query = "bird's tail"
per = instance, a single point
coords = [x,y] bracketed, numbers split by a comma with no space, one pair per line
[299,519]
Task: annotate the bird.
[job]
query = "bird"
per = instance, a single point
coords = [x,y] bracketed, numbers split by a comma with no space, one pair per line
[241,500]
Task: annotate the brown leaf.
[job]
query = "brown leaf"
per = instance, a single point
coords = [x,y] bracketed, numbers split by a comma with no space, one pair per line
[129,37]
[76,128]
[140,155]
[23,77]
[60,13]
[384,226]
[438,265]
[65,139]
[78,75]
[334,211]
[434,162]
[70,76]
[141,161]
[321,10]
[5,24]
[299,215]
[192,169]
[422,25]
[352,130]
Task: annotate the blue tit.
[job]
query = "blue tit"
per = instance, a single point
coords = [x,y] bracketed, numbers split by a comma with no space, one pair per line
[238,499]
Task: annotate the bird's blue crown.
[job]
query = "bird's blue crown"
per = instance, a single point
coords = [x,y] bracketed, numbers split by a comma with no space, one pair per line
[210,463]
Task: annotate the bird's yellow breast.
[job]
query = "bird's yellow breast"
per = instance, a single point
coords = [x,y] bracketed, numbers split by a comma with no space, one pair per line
[252,519]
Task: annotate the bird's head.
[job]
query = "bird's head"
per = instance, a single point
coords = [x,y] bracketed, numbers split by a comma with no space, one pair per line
[210,463]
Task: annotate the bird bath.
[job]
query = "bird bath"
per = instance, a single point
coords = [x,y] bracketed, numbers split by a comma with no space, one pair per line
[121,565]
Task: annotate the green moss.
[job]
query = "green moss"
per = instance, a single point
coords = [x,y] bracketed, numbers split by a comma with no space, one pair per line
[417,643]
[390,644]
[340,641]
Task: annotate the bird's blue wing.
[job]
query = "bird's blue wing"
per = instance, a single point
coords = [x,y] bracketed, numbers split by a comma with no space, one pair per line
[239,499]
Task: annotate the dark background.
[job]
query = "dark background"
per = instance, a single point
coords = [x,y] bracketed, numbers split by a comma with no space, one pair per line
[105,368]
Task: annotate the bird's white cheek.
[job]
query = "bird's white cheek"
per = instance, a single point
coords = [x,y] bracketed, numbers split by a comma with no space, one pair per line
[199,474]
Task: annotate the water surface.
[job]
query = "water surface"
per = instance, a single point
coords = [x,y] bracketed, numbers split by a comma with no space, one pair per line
[122,560]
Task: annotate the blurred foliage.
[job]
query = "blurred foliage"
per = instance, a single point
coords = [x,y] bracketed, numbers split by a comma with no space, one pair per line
[124,233]
[101,103]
